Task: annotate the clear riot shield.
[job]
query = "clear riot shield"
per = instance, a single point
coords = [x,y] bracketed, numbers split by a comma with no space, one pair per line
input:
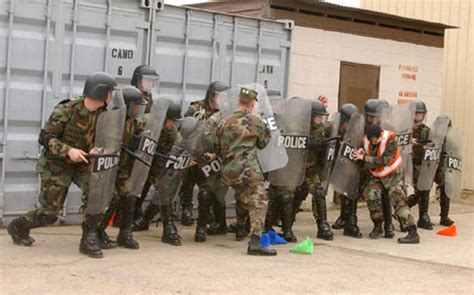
[274,155]
[399,119]
[148,144]
[432,153]
[346,172]
[330,155]
[452,162]
[105,155]
[293,118]
[176,164]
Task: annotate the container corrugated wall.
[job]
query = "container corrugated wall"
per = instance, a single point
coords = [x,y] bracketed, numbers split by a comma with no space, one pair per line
[458,86]
[48,47]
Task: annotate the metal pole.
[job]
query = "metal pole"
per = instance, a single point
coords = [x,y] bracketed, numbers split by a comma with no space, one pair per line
[234,49]
[214,46]
[185,57]
[6,106]
[107,29]
[259,50]
[73,47]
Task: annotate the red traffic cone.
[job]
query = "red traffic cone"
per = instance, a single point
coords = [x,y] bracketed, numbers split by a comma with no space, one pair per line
[450,231]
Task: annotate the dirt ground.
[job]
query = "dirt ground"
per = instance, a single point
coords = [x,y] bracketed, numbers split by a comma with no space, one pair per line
[346,265]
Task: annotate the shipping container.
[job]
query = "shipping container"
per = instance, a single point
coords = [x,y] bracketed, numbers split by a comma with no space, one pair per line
[48,47]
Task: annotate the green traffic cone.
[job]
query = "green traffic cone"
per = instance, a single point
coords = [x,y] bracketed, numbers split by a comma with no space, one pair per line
[305,247]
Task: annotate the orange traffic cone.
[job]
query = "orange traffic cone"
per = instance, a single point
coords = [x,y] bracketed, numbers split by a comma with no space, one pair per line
[450,231]
[111,221]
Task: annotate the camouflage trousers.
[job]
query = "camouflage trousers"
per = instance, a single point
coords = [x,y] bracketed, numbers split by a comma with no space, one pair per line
[53,191]
[252,197]
[373,193]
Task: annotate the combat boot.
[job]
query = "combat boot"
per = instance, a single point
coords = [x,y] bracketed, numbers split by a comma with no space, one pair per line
[255,248]
[138,211]
[444,203]
[240,232]
[274,208]
[351,228]
[287,218]
[319,207]
[170,233]
[89,242]
[413,199]
[301,193]
[411,238]
[143,223]
[340,221]
[103,238]
[204,207]
[219,227]
[377,231]
[125,237]
[20,232]
[387,216]
[424,220]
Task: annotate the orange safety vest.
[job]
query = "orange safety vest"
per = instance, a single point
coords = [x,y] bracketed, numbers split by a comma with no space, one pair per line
[397,159]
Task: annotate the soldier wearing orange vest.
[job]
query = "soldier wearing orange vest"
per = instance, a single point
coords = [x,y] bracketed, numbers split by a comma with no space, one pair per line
[382,159]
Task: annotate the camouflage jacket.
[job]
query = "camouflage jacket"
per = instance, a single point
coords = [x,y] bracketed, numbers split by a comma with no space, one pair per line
[199,109]
[168,138]
[420,133]
[315,160]
[70,125]
[373,162]
[132,127]
[238,137]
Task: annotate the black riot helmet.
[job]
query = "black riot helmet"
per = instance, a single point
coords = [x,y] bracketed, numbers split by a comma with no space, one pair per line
[371,107]
[174,111]
[318,108]
[143,71]
[134,101]
[346,111]
[98,85]
[420,106]
[214,88]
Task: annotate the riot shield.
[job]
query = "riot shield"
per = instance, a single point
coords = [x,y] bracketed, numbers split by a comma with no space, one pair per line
[453,159]
[346,172]
[330,155]
[147,146]
[106,154]
[399,119]
[175,164]
[293,117]
[432,153]
[274,155]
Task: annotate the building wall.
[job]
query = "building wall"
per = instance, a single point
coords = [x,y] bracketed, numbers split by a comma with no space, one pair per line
[458,83]
[407,70]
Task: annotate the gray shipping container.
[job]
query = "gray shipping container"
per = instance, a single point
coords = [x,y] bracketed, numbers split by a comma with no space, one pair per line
[48,47]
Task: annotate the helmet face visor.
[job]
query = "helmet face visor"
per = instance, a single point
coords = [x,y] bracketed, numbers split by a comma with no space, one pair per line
[136,111]
[149,83]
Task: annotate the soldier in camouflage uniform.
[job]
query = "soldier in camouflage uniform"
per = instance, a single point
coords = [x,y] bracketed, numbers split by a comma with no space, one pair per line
[238,137]
[203,110]
[381,157]
[420,137]
[145,78]
[169,137]
[67,138]
[123,200]
[348,216]
[314,168]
